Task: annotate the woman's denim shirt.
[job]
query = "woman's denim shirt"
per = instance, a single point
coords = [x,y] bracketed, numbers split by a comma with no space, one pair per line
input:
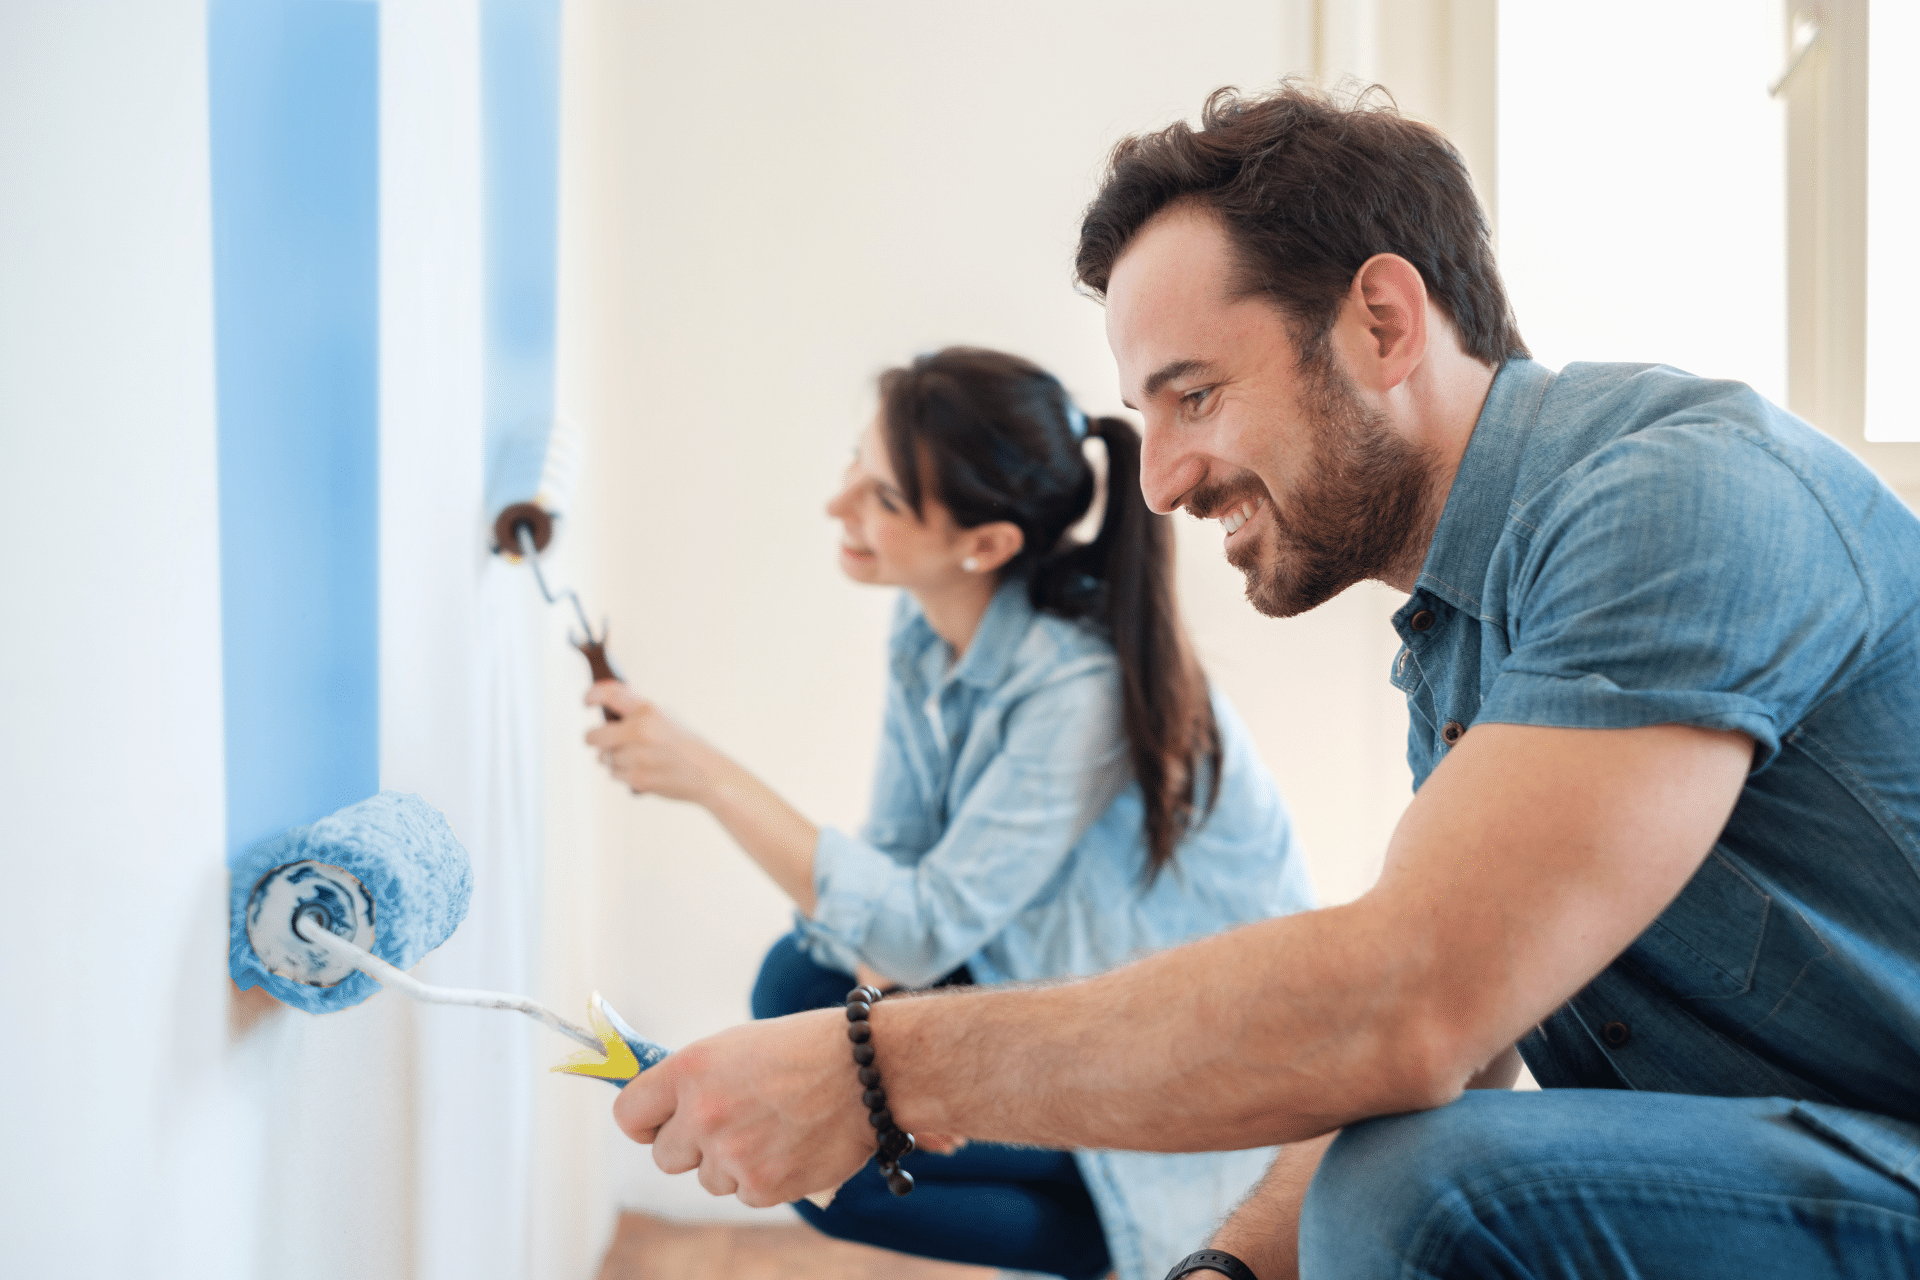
[1628,545]
[1007,835]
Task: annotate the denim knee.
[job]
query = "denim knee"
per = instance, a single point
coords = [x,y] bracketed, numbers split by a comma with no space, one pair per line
[1574,1182]
[790,981]
[1388,1184]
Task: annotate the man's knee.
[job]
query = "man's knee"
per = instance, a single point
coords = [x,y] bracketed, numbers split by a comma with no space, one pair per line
[1389,1184]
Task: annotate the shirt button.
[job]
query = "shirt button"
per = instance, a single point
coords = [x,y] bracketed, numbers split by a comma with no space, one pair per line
[1453,732]
[1616,1034]
[1422,620]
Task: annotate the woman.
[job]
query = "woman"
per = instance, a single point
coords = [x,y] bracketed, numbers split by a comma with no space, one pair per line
[1057,792]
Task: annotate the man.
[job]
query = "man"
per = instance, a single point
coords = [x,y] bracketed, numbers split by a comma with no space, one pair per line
[1662,651]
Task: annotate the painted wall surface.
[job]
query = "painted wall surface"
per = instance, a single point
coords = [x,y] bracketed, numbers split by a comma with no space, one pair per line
[242,386]
[764,207]
[131,1115]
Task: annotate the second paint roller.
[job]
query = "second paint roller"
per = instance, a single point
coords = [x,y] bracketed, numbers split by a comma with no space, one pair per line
[535,471]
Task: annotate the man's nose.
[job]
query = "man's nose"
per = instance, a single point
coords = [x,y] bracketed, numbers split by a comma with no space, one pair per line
[1166,474]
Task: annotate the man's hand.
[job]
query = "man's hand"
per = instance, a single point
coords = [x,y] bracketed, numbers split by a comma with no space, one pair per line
[769,1111]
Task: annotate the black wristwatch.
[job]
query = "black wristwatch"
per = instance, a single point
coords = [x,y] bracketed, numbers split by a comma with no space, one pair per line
[1212,1260]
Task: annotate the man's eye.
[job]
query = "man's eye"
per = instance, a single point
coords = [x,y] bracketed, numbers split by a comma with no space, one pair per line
[1195,398]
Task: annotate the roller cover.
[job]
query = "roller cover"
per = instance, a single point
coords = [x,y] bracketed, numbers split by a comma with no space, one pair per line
[402,851]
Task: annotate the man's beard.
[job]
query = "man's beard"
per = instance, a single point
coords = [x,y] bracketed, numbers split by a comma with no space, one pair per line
[1359,509]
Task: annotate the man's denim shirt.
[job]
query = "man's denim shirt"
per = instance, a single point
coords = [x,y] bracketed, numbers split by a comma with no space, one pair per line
[1628,545]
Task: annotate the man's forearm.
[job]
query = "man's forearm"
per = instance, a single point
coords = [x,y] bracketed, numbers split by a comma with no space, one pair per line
[1528,861]
[1275,1032]
[1264,1232]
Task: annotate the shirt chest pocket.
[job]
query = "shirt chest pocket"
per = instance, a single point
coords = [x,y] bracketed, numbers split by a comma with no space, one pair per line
[1728,945]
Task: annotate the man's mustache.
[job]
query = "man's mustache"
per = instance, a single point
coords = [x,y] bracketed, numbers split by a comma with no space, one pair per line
[1210,501]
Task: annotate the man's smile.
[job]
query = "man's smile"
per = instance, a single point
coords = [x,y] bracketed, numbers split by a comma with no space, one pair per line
[1233,520]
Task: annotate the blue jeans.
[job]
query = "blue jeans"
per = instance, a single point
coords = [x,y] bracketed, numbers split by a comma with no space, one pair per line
[986,1204]
[1589,1183]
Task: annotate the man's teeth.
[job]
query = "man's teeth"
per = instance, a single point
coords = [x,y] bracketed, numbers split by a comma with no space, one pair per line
[1239,515]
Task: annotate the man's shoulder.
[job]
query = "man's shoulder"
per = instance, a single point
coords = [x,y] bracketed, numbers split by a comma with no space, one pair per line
[1636,473]
[1635,430]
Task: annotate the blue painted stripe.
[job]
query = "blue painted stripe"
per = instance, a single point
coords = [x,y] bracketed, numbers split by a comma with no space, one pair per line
[520,99]
[294,116]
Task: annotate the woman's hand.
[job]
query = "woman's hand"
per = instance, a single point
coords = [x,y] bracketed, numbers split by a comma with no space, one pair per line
[652,754]
[648,750]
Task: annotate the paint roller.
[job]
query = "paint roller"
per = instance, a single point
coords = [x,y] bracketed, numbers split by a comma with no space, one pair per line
[535,469]
[326,914]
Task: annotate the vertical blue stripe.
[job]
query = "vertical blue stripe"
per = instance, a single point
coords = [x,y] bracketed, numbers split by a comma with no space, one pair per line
[520,98]
[294,115]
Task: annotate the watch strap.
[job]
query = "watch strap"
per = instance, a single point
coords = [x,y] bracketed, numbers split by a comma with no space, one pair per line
[1214,1260]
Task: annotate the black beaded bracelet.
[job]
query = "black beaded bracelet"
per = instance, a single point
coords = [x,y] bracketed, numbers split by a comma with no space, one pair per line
[1212,1260]
[891,1144]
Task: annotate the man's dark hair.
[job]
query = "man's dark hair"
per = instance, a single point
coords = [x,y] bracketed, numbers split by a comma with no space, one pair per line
[1308,188]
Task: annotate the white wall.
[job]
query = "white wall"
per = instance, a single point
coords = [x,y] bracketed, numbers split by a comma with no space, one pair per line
[763,207]
[459,709]
[129,1112]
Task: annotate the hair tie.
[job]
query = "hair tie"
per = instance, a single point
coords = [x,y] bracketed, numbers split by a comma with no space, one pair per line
[1076,421]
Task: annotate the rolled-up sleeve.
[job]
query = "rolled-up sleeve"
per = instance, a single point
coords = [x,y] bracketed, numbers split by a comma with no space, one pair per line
[1060,762]
[1668,585]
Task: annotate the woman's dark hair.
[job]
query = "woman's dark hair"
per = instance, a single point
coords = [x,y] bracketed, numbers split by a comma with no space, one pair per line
[1308,187]
[993,437]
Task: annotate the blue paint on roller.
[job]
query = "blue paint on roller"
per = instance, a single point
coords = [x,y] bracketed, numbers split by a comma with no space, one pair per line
[403,853]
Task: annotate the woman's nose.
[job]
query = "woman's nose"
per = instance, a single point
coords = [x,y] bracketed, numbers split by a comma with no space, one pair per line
[837,507]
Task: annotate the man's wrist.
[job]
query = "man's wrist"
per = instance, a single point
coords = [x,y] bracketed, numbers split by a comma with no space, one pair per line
[1215,1260]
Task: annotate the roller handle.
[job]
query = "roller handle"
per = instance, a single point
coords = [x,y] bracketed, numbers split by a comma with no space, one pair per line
[596,652]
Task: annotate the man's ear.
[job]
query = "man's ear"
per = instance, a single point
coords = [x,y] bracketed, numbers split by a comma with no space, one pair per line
[1382,325]
[991,545]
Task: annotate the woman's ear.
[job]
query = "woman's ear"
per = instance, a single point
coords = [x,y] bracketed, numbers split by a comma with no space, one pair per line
[985,548]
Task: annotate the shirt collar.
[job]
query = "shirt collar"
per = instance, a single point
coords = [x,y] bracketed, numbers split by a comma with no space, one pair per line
[1482,494]
[995,640]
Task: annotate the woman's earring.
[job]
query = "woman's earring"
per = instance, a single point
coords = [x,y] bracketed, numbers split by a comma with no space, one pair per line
[970,564]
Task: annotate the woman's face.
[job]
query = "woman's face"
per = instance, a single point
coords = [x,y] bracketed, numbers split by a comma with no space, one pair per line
[882,542]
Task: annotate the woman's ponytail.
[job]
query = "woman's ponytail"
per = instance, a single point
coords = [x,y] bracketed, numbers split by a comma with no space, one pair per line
[1126,574]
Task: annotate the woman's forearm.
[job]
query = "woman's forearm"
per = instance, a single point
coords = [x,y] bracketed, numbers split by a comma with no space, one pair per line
[773,832]
[646,749]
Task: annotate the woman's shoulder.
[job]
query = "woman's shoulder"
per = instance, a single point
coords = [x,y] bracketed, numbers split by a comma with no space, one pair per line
[1058,649]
